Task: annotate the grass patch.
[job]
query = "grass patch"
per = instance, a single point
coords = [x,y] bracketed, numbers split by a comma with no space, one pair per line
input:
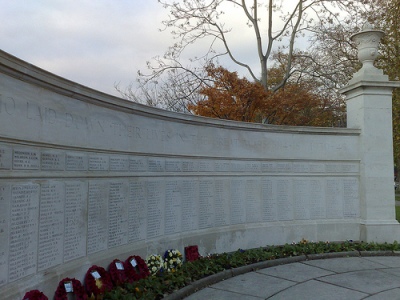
[397,197]
[398,213]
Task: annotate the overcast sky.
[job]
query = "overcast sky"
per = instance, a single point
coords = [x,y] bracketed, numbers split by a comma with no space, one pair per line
[93,42]
[96,43]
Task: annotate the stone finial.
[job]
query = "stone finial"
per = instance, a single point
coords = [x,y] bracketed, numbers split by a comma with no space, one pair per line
[367,41]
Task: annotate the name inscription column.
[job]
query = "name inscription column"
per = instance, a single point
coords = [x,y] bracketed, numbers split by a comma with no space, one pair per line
[206,204]
[137,210]
[155,208]
[51,225]
[75,235]
[190,205]
[5,199]
[97,216]
[23,231]
[221,202]
[118,214]
[173,207]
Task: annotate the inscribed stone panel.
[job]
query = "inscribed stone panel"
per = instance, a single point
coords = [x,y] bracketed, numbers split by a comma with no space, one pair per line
[99,162]
[317,199]
[190,205]
[119,163]
[334,198]
[284,197]
[138,163]
[76,162]
[284,167]
[253,167]
[317,167]
[76,222]
[156,164]
[301,199]
[222,166]
[221,202]
[206,203]
[51,225]
[155,208]
[172,165]
[268,167]
[97,214]
[24,228]
[5,157]
[301,167]
[238,205]
[118,214]
[351,207]
[26,159]
[53,161]
[269,207]
[5,199]
[239,166]
[190,166]
[137,208]
[253,201]
[206,166]
[173,206]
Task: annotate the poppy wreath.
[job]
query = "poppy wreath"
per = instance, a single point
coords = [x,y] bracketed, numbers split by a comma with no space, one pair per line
[192,253]
[77,290]
[117,272]
[138,271]
[97,281]
[35,295]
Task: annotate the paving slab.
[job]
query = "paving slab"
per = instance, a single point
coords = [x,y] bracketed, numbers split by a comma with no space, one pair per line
[390,294]
[387,261]
[297,272]
[367,281]
[345,264]
[393,272]
[254,284]
[316,290]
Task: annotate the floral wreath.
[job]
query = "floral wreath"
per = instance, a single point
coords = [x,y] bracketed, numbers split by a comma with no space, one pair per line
[136,268]
[97,281]
[172,260]
[192,253]
[117,272]
[35,295]
[74,286]
[154,263]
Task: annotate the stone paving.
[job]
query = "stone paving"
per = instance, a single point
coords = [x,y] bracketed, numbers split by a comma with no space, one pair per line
[369,277]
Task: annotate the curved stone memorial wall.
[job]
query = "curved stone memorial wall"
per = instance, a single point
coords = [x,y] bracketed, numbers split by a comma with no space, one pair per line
[86,178]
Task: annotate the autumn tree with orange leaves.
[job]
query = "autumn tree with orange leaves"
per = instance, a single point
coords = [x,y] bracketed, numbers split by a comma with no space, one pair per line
[234,98]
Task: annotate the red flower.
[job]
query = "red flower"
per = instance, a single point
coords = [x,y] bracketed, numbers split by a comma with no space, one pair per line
[97,281]
[77,290]
[117,272]
[192,253]
[35,295]
[136,268]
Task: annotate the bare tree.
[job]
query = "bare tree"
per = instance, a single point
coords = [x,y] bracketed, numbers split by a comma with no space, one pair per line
[275,25]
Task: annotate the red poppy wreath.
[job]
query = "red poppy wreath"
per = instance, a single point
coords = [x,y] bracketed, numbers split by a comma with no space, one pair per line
[136,268]
[70,285]
[97,281]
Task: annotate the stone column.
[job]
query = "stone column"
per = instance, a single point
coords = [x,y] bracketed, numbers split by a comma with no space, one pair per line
[369,108]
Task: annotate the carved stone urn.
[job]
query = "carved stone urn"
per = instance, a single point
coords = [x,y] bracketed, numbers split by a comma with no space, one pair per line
[367,41]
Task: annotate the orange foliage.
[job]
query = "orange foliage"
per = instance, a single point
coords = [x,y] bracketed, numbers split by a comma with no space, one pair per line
[235,98]
[230,98]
